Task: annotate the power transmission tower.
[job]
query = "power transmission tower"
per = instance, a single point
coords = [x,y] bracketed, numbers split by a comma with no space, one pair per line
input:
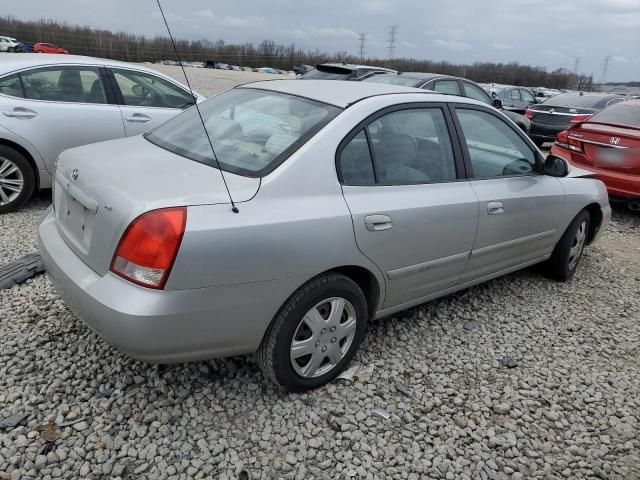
[576,64]
[606,61]
[391,43]
[362,38]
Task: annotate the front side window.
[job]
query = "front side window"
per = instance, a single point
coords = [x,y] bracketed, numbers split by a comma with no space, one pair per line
[495,149]
[514,94]
[405,147]
[11,86]
[476,93]
[527,97]
[64,84]
[252,130]
[145,90]
[450,87]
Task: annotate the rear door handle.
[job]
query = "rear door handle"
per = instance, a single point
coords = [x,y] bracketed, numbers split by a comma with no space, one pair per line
[138,118]
[495,208]
[377,223]
[20,112]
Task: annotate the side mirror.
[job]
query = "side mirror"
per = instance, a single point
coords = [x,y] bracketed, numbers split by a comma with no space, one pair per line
[555,166]
[497,103]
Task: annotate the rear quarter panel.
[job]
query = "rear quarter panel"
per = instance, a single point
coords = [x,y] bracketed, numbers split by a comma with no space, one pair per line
[580,193]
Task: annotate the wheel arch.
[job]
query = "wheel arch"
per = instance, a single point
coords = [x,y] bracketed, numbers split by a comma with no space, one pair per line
[24,152]
[595,214]
[367,282]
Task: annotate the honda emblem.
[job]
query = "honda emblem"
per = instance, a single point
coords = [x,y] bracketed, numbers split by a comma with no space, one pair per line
[614,140]
[74,174]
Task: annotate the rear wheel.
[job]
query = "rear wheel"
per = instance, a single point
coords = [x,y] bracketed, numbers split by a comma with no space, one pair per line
[539,143]
[316,333]
[17,179]
[568,252]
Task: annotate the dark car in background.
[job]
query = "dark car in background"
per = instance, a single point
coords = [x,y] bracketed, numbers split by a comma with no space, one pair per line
[343,71]
[449,85]
[560,112]
[608,144]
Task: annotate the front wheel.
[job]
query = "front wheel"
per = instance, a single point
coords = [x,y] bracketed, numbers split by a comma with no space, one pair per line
[315,334]
[568,252]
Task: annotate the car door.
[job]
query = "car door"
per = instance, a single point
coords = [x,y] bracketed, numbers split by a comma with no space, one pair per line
[519,208]
[414,214]
[60,107]
[511,99]
[147,100]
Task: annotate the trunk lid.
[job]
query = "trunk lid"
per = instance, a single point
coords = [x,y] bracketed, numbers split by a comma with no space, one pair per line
[556,116]
[608,147]
[100,189]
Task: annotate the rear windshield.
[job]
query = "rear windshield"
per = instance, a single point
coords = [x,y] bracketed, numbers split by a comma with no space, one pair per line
[394,79]
[329,73]
[252,131]
[619,114]
[581,101]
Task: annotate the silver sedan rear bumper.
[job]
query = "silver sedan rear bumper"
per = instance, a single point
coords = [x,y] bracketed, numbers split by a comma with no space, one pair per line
[157,325]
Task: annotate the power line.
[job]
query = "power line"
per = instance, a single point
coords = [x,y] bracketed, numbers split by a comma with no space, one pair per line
[362,38]
[576,64]
[606,61]
[391,43]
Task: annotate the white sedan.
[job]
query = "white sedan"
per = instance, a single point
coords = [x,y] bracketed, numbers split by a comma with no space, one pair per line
[50,103]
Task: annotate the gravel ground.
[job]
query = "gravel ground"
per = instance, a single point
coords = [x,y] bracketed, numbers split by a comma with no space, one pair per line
[208,81]
[518,378]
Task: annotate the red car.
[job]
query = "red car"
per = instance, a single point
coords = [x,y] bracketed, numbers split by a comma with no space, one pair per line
[48,48]
[608,144]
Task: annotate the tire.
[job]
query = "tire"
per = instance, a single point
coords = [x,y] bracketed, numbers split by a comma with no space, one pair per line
[539,143]
[15,172]
[567,254]
[322,296]
[11,49]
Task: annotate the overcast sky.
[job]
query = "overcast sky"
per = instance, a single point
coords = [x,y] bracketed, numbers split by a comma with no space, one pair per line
[549,33]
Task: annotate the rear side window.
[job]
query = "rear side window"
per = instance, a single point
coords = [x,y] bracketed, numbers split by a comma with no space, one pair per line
[450,87]
[476,93]
[514,94]
[495,149]
[11,86]
[405,147]
[526,96]
[64,84]
[618,114]
[145,90]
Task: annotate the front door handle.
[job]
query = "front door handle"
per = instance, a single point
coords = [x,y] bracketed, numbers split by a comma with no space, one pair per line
[20,112]
[495,208]
[138,118]
[377,223]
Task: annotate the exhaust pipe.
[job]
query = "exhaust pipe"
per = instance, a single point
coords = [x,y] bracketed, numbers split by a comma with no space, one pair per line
[634,205]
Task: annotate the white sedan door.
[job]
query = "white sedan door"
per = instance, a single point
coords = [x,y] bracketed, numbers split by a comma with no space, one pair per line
[61,107]
[147,100]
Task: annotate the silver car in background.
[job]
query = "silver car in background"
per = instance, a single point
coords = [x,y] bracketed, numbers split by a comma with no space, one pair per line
[355,201]
[49,103]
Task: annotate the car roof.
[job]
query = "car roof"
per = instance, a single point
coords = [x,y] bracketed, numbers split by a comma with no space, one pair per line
[353,66]
[10,63]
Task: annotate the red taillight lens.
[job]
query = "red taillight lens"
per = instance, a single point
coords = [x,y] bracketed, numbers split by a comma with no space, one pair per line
[149,247]
[528,113]
[562,139]
[579,119]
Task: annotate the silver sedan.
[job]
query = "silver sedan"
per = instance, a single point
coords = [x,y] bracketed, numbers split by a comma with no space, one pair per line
[50,103]
[352,202]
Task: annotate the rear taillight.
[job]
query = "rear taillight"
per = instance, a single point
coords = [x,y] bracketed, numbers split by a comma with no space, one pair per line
[149,247]
[528,113]
[565,140]
[579,119]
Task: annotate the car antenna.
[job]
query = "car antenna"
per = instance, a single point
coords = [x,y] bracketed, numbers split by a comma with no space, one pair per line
[234,208]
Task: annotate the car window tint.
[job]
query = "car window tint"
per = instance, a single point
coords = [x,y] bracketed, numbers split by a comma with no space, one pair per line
[618,114]
[11,86]
[476,93]
[447,86]
[356,164]
[65,84]
[526,96]
[145,90]
[514,94]
[495,149]
[412,146]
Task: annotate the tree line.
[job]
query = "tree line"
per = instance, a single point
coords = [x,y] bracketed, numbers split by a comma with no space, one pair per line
[83,40]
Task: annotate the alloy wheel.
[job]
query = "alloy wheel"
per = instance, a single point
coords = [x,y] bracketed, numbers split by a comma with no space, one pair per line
[11,181]
[577,245]
[323,337]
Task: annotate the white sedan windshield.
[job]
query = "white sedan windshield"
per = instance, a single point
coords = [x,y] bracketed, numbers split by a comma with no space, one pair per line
[252,130]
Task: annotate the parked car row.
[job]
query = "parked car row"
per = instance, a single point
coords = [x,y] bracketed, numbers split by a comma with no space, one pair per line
[9,44]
